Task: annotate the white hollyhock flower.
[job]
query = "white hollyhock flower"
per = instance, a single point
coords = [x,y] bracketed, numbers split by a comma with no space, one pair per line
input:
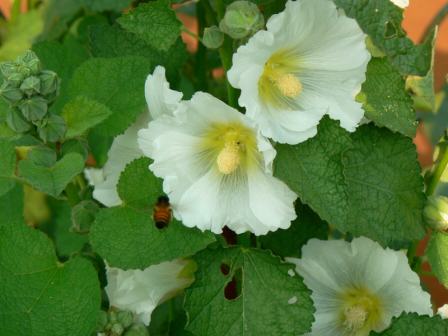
[310,61]
[141,291]
[401,3]
[161,100]
[359,286]
[217,170]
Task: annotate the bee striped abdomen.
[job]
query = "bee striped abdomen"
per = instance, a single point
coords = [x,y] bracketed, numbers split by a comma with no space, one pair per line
[162,212]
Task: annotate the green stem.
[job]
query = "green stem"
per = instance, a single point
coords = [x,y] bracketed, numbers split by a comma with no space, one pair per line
[436,21]
[438,172]
[189,32]
[201,55]
[225,53]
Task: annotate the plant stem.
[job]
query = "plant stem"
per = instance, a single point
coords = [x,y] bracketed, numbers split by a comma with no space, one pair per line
[438,172]
[436,21]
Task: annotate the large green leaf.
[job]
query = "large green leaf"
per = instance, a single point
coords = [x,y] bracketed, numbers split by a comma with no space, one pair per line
[81,114]
[384,186]
[11,206]
[437,252]
[40,296]
[7,166]
[381,20]
[367,183]
[412,324]
[154,22]
[270,300]
[118,84]
[129,239]
[52,180]
[385,99]
[112,41]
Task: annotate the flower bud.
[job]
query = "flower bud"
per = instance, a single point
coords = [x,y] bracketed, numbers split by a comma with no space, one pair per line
[52,128]
[30,85]
[436,212]
[126,318]
[102,321]
[16,121]
[83,216]
[34,109]
[15,79]
[137,330]
[29,61]
[242,19]
[49,82]
[213,37]
[10,93]
[117,329]
[8,68]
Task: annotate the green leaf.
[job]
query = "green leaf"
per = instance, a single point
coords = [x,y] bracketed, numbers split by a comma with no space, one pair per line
[412,324]
[367,183]
[42,156]
[39,296]
[7,166]
[269,300]
[381,20]
[314,171]
[154,22]
[169,319]
[105,5]
[11,206]
[112,41]
[81,114]
[437,252]
[385,100]
[384,186]
[138,187]
[289,242]
[129,238]
[52,180]
[118,84]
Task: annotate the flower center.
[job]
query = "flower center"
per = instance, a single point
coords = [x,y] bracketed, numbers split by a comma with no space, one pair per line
[289,85]
[228,158]
[361,311]
[279,84]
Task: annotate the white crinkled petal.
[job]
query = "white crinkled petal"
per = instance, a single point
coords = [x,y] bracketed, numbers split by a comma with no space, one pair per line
[140,291]
[401,3]
[333,61]
[160,98]
[329,267]
[443,311]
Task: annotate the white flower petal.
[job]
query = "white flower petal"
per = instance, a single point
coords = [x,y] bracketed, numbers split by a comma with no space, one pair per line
[332,60]
[443,311]
[401,3]
[140,291]
[160,98]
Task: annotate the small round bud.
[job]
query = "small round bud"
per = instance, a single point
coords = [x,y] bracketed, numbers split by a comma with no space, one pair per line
[126,318]
[29,61]
[213,38]
[49,82]
[8,68]
[10,93]
[16,121]
[30,86]
[83,216]
[52,128]
[15,79]
[242,19]
[117,329]
[436,212]
[137,330]
[34,109]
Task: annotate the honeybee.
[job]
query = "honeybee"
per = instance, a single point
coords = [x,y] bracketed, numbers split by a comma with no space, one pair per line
[162,212]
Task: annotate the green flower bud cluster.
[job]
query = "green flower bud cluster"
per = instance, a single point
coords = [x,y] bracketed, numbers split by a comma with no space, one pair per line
[29,90]
[120,323]
[241,20]
[436,213]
